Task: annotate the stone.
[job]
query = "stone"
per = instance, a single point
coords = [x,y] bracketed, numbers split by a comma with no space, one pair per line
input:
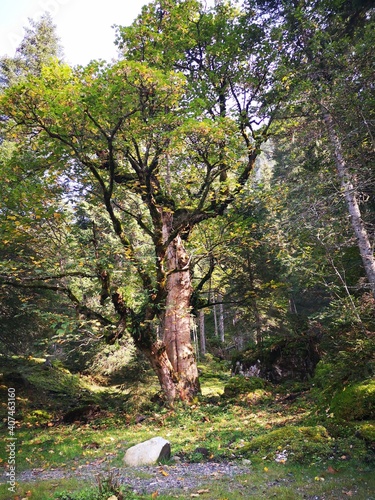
[149,452]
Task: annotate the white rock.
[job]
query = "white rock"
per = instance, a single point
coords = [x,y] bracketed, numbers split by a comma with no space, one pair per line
[148,452]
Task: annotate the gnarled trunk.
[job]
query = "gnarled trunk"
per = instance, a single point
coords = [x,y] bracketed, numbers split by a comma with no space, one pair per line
[176,320]
[172,355]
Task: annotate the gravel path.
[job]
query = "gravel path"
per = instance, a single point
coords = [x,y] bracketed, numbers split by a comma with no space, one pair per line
[146,479]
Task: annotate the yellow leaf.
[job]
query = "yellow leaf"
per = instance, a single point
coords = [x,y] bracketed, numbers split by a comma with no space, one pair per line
[265,469]
[165,473]
[155,494]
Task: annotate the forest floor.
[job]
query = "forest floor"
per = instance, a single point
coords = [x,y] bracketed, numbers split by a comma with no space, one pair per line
[71,436]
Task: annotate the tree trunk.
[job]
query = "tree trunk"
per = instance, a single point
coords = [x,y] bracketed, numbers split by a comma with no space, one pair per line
[215,319]
[176,321]
[349,192]
[221,319]
[202,333]
[173,356]
[157,355]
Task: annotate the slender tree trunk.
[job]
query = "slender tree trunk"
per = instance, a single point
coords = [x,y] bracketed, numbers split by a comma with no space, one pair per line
[214,310]
[349,192]
[202,333]
[221,319]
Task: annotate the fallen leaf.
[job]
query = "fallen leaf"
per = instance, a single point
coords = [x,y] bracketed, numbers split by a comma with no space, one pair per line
[203,491]
[194,495]
[165,473]
[155,494]
[331,470]
[265,469]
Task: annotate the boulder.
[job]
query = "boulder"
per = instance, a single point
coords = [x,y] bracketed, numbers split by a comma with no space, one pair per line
[149,452]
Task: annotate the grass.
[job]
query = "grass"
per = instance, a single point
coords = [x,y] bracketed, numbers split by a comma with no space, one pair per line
[325,459]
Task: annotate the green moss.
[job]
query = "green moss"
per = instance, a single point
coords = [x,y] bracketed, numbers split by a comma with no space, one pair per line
[355,402]
[301,443]
[240,385]
[38,417]
[257,396]
[366,431]
[324,374]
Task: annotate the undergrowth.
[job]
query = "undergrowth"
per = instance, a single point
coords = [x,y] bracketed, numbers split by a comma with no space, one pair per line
[279,430]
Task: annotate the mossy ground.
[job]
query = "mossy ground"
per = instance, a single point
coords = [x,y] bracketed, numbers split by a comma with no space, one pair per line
[252,421]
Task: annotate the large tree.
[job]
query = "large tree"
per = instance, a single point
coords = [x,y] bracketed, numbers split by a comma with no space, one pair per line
[159,149]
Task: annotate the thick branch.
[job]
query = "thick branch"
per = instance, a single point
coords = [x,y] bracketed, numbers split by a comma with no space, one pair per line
[81,308]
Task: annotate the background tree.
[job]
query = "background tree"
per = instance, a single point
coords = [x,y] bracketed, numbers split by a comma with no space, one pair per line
[39,44]
[325,57]
[24,319]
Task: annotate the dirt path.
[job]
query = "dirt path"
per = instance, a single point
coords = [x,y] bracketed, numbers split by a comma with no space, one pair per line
[146,479]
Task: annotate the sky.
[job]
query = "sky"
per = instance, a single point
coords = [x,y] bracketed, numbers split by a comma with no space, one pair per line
[83,26]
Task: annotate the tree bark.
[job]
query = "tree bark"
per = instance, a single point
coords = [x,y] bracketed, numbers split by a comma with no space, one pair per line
[215,321]
[176,321]
[173,356]
[202,333]
[350,195]
[221,319]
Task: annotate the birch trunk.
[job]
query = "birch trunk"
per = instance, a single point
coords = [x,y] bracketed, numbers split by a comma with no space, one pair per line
[202,334]
[221,319]
[349,192]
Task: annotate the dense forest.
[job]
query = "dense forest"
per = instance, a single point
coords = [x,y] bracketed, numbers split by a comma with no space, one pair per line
[208,197]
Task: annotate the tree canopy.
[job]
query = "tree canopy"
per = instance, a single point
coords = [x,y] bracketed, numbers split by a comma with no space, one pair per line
[135,191]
